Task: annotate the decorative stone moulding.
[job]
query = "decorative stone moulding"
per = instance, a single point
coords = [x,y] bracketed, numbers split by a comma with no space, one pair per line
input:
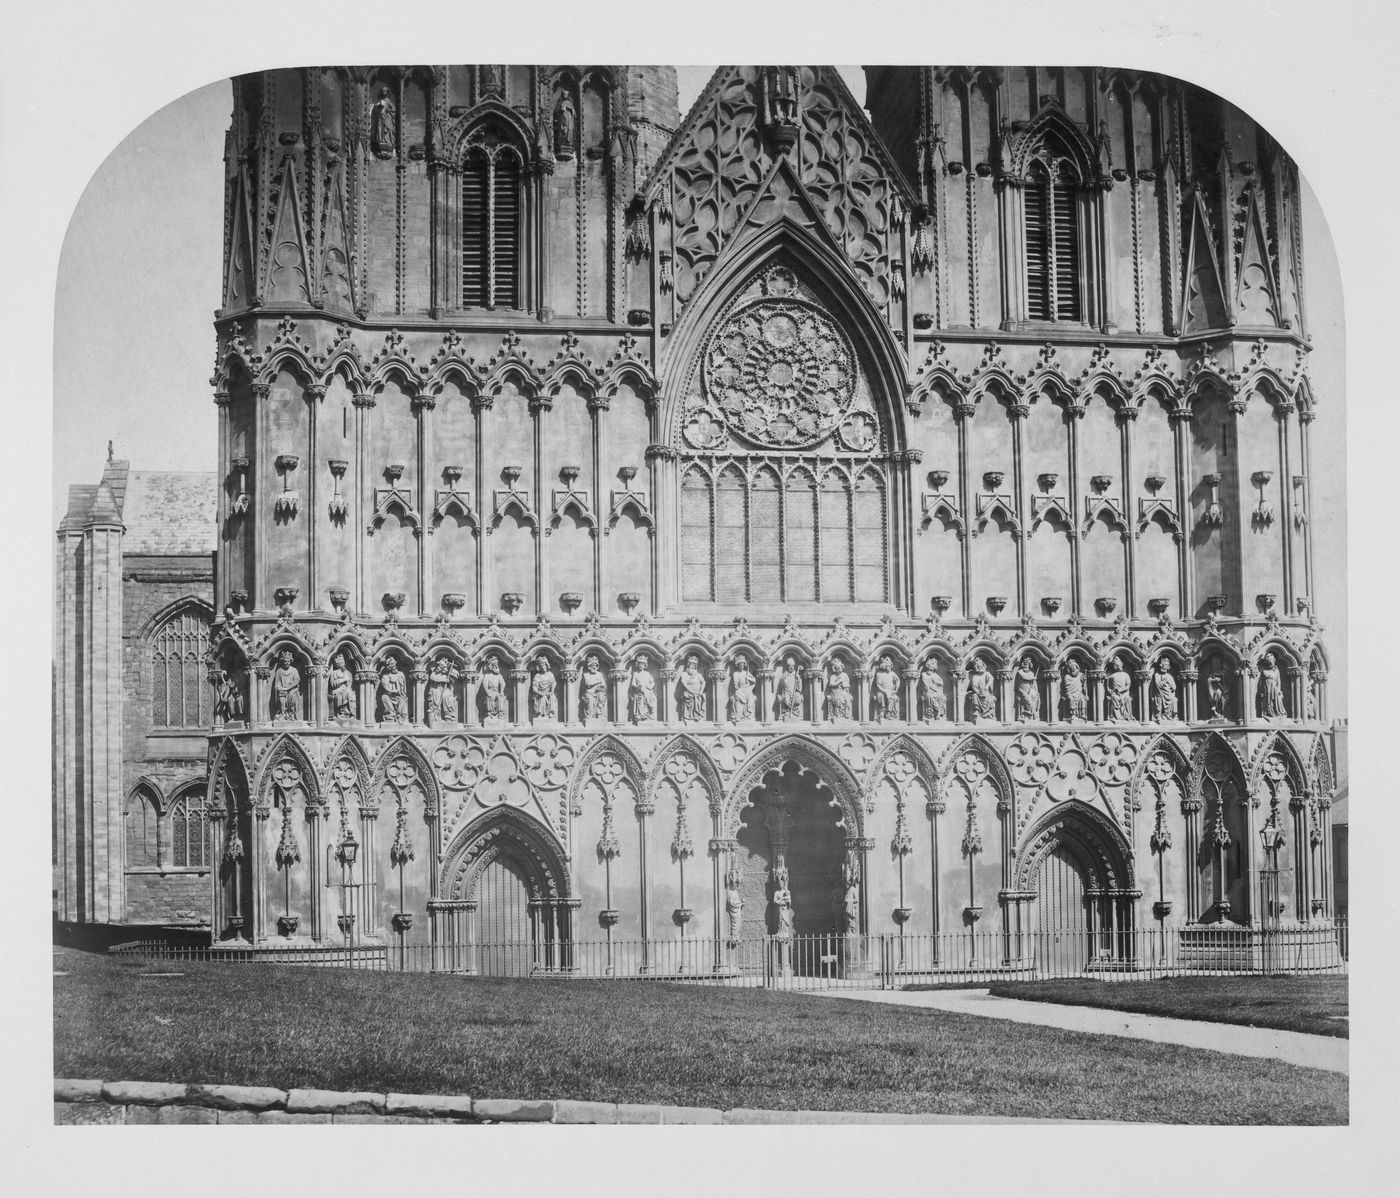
[287,502]
[923,320]
[938,479]
[287,462]
[608,917]
[510,475]
[1266,602]
[1216,603]
[285,597]
[1304,604]
[241,501]
[1048,482]
[346,924]
[955,167]
[992,479]
[627,474]
[1223,906]
[340,597]
[941,603]
[238,600]
[1161,908]
[453,602]
[511,602]
[628,600]
[997,604]
[452,475]
[1214,515]
[402,921]
[1158,607]
[393,600]
[339,506]
[1263,514]
[902,915]
[571,601]
[338,467]
[288,924]
[682,916]
[570,474]
[394,471]
[972,912]
[1101,482]
[638,317]
[1106,604]
[1051,604]
[1155,482]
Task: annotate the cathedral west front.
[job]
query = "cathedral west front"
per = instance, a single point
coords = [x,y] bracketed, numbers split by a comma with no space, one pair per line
[676,530]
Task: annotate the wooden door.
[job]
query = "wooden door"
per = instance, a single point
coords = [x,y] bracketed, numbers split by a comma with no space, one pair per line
[504,947]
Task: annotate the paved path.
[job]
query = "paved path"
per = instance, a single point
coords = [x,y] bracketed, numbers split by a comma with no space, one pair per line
[1297,1048]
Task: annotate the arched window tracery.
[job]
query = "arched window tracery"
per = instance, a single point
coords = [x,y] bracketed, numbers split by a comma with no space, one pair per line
[180,692]
[492,211]
[1054,285]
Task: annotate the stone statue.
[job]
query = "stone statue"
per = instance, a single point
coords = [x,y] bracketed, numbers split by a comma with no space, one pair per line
[1076,696]
[383,126]
[565,128]
[850,893]
[228,698]
[1027,692]
[286,689]
[1216,692]
[641,691]
[982,690]
[838,692]
[393,693]
[342,689]
[543,705]
[787,698]
[692,691]
[441,699]
[1118,693]
[1311,697]
[782,902]
[1163,692]
[593,693]
[933,699]
[741,684]
[1271,706]
[780,94]
[734,903]
[884,694]
[493,693]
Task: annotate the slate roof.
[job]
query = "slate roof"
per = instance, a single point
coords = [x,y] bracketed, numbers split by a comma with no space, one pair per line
[165,512]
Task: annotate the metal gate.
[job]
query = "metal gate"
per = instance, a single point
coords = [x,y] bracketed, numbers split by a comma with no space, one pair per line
[1064,933]
[504,933]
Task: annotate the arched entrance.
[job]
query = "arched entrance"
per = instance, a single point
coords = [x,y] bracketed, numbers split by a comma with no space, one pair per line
[794,868]
[505,909]
[1075,873]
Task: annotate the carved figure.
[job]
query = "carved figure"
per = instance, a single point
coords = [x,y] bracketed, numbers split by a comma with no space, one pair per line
[741,684]
[884,697]
[1312,697]
[1163,692]
[734,903]
[787,699]
[692,689]
[780,93]
[383,126]
[1216,692]
[593,704]
[1271,705]
[981,688]
[1027,692]
[441,701]
[228,698]
[838,692]
[782,902]
[850,889]
[493,692]
[393,693]
[286,689]
[1076,697]
[342,689]
[543,705]
[933,699]
[1118,693]
[641,691]
[565,128]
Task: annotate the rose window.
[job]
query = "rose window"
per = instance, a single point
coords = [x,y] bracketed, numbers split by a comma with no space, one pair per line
[781,373]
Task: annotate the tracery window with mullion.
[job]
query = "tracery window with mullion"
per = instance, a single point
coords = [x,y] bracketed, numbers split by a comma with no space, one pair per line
[180,692]
[189,832]
[1051,207]
[491,225]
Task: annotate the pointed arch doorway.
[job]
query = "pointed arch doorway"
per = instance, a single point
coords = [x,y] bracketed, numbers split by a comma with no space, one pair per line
[791,823]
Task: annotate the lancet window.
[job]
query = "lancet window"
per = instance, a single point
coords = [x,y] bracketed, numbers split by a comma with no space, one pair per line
[1053,277]
[491,223]
[180,693]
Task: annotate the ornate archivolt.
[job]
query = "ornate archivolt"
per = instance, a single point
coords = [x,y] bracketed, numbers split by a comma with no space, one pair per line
[810,756]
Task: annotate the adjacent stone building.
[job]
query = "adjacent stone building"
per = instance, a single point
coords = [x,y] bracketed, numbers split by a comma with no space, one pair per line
[134,579]
[783,519]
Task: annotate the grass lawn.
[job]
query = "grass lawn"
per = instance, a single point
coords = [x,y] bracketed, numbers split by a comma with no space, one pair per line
[291,1026]
[1293,1004]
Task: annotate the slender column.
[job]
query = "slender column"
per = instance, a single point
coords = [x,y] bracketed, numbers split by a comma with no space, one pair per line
[962,413]
[1282,412]
[365,680]
[1127,417]
[313,871]
[364,495]
[568,706]
[258,850]
[618,678]
[1191,813]
[645,807]
[258,700]
[1189,679]
[1005,707]
[1019,413]
[419,676]
[1076,574]
[716,676]
[1186,565]
[423,406]
[260,509]
[910,677]
[813,677]
[1143,678]
[315,394]
[764,697]
[316,709]
[958,714]
[218,913]
[1096,708]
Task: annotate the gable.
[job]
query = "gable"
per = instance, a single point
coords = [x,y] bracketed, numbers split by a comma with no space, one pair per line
[719,181]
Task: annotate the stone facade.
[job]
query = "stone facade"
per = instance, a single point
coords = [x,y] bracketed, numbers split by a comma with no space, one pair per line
[787,518]
[133,586]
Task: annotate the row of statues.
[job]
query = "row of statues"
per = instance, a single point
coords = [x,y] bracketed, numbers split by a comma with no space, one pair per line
[789,698]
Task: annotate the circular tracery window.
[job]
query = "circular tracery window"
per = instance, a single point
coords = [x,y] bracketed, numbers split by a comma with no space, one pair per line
[781,372]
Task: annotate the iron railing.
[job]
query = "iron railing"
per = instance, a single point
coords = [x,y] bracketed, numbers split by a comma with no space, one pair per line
[815,962]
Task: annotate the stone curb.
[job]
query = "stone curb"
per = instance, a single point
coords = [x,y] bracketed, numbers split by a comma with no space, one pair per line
[81,1101]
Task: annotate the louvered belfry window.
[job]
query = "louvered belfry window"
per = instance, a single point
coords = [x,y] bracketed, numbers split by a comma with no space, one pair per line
[491,224]
[1052,244]
[180,691]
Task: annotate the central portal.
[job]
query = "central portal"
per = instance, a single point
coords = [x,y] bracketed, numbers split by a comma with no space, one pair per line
[790,823]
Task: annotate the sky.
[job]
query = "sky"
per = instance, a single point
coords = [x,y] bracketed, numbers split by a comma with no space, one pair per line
[140,277]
